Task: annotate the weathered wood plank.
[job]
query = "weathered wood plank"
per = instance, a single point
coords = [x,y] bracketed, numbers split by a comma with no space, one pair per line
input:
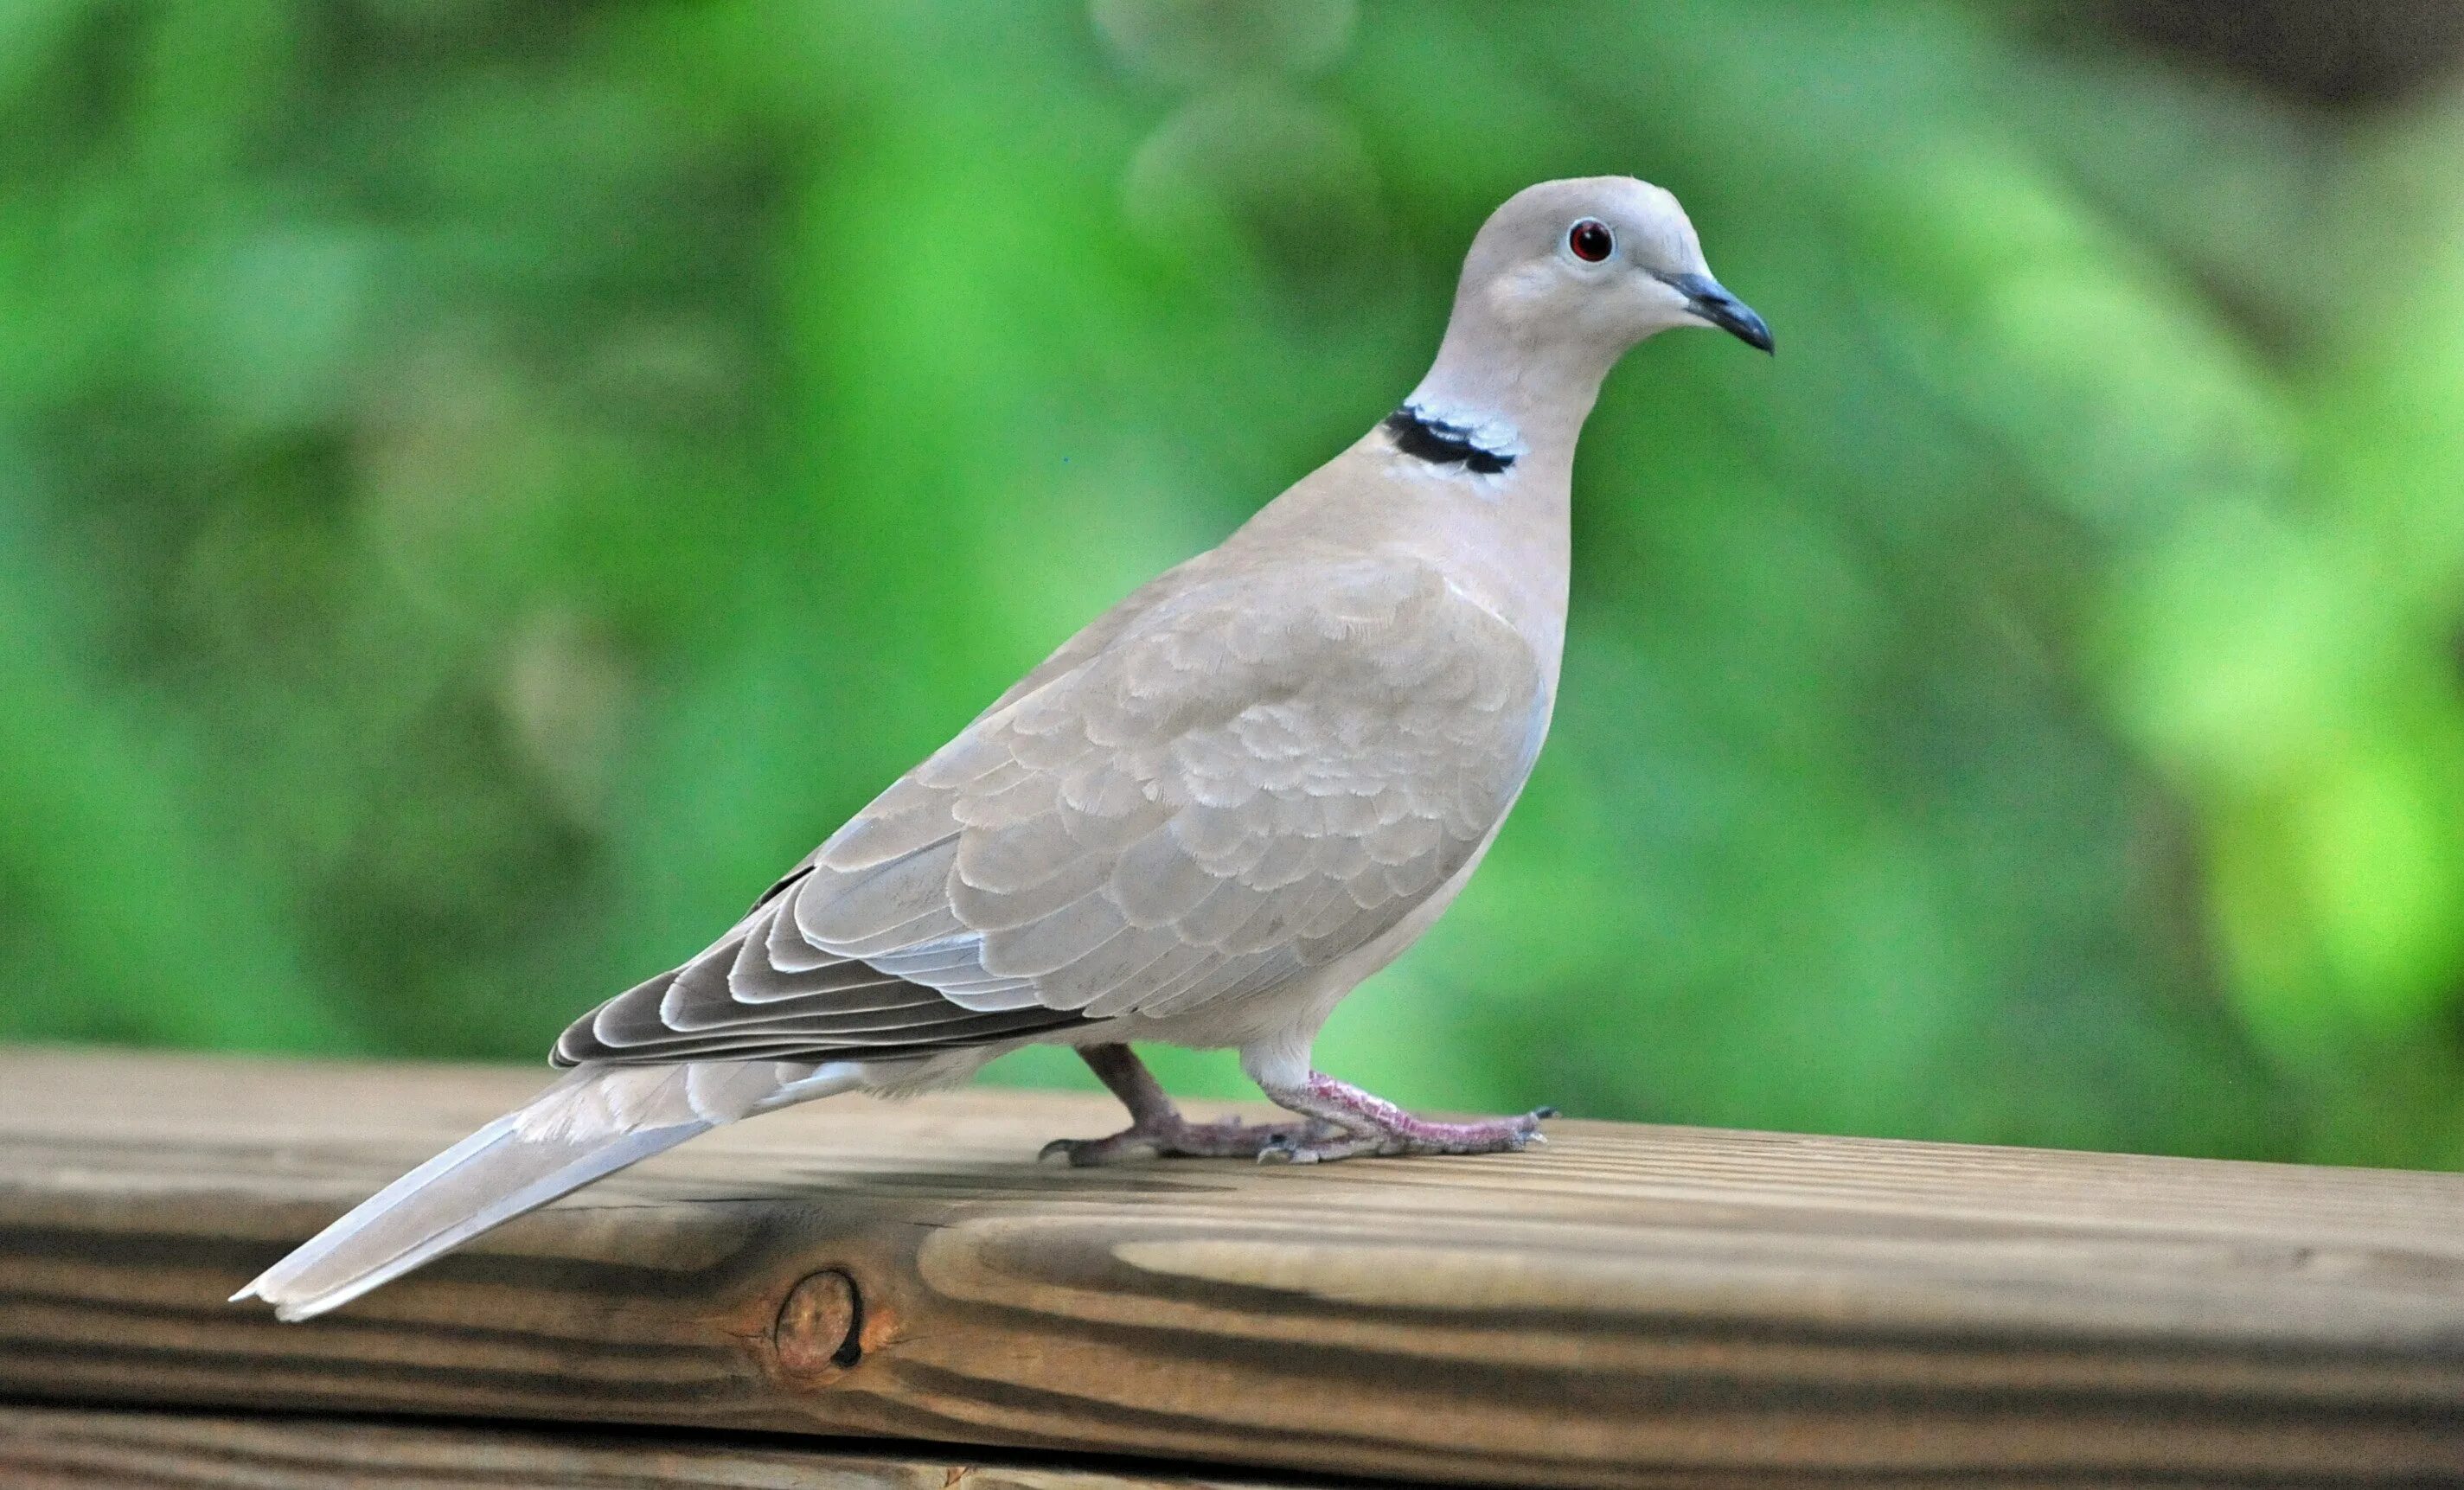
[1627,1306]
[69,1449]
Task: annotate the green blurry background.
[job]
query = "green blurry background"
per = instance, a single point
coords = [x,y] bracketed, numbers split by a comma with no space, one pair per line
[486,485]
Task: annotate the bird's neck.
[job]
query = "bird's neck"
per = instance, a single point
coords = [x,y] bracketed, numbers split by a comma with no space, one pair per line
[1511,413]
[1502,536]
[1473,479]
[1530,390]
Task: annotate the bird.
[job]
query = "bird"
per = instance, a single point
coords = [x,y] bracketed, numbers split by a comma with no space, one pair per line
[1202,822]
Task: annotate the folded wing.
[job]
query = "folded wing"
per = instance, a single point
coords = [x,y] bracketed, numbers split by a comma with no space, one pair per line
[1252,778]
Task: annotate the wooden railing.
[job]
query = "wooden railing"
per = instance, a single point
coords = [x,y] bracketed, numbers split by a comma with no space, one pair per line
[1628,1306]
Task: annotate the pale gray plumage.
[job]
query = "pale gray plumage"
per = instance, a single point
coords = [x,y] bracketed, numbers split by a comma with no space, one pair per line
[1203,819]
[1264,769]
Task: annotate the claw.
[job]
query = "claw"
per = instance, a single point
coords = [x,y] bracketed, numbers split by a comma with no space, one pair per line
[1284,1151]
[1086,1153]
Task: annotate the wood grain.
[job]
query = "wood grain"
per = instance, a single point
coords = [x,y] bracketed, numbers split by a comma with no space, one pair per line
[69,1449]
[1628,1306]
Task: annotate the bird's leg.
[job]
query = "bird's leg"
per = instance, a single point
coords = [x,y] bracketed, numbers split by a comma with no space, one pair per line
[1362,1124]
[1156,1129]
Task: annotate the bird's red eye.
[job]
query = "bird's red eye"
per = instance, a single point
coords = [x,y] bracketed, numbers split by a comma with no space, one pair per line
[1591,240]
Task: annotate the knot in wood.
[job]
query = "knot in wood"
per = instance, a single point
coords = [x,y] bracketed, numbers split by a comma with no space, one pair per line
[819,1332]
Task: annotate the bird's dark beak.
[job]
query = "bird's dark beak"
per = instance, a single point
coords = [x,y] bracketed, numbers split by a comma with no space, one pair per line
[1707,298]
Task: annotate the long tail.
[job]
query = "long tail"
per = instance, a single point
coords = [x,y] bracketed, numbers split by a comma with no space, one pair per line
[593,1122]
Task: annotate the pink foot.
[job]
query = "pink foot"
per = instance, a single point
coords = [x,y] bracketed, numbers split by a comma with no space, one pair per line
[1359,1124]
[1156,1129]
[1173,1136]
[1338,1121]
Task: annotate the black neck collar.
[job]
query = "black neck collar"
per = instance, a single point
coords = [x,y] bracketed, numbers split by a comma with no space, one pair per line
[1442,443]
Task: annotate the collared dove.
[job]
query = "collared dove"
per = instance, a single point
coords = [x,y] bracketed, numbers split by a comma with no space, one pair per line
[1204,821]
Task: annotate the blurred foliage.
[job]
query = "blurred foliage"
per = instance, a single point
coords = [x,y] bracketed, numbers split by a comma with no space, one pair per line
[484,484]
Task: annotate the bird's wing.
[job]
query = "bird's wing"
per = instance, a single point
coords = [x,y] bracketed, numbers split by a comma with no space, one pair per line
[1255,776]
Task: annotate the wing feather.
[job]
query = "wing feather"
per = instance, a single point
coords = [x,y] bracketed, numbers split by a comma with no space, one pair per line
[1237,778]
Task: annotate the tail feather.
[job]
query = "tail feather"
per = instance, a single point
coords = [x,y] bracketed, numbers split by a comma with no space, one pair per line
[590,1124]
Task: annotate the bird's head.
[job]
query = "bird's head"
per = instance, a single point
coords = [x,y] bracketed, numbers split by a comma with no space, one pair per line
[1601,261]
